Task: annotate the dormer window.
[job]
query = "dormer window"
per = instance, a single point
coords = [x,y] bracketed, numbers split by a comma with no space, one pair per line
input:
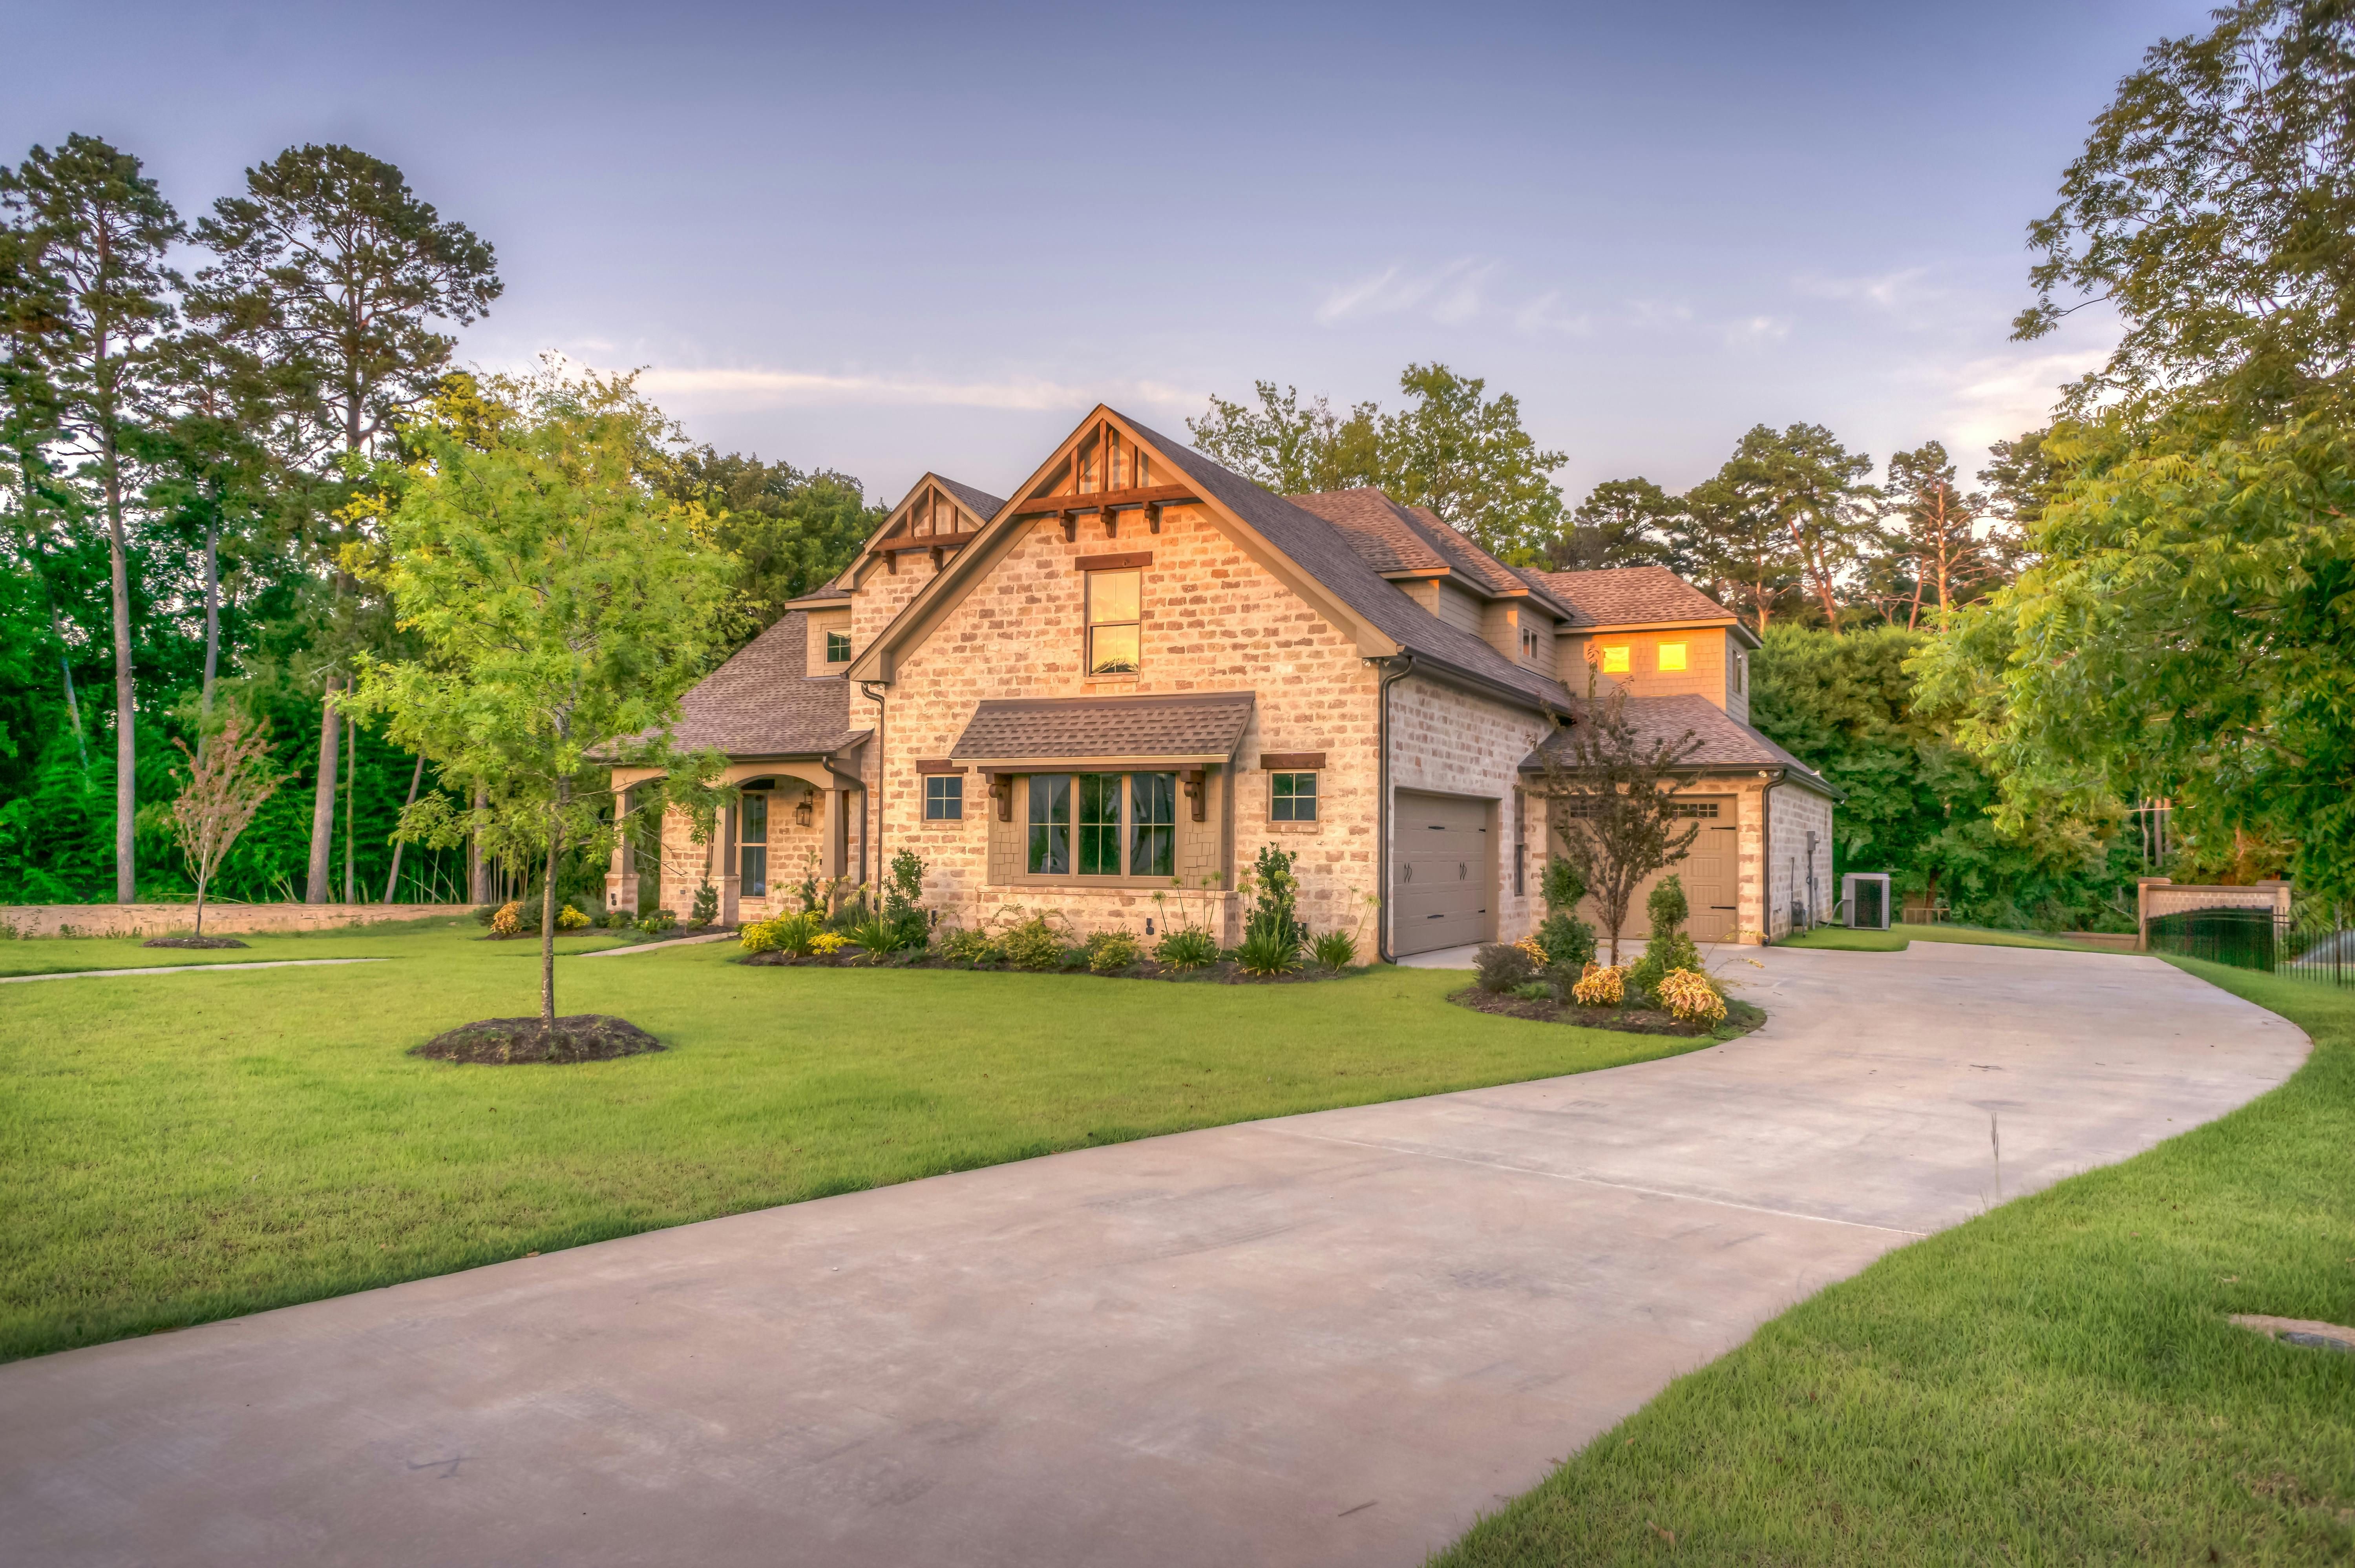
[1672,655]
[1614,659]
[1529,644]
[838,647]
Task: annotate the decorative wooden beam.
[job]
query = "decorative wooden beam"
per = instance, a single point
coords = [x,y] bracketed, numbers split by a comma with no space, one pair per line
[1291,761]
[1198,791]
[1115,562]
[937,765]
[1098,500]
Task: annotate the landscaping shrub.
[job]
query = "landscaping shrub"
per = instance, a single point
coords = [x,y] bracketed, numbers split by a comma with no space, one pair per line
[1690,996]
[972,946]
[1503,966]
[826,944]
[1568,942]
[1035,945]
[1535,991]
[881,936]
[508,919]
[903,899]
[657,920]
[1192,948]
[1275,912]
[1272,950]
[760,935]
[570,919]
[1600,986]
[707,906]
[1336,950]
[1669,947]
[1110,952]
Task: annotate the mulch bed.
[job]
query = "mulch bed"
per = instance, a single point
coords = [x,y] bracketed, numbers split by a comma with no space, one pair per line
[1741,1018]
[192,942]
[501,1043]
[1226,972]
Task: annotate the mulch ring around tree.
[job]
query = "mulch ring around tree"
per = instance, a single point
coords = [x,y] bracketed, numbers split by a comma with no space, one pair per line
[192,942]
[1741,1018]
[501,1043]
[1224,972]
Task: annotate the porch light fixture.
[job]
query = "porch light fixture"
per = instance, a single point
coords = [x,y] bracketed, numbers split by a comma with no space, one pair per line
[804,809]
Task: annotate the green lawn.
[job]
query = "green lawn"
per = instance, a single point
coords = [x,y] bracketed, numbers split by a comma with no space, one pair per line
[1841,939]
[2054,1383]
[180,1148]
[66,954]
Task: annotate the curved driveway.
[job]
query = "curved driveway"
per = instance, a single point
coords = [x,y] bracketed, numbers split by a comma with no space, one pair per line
[1326,1339]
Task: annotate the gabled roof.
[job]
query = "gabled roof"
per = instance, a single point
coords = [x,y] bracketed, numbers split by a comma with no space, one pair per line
[1632,596]
[763,702]
[1725,743]
[916,522]
[976,500]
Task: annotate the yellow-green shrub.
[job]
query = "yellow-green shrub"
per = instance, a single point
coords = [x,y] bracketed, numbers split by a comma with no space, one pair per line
[1600,986]
[1690,996]
[508,922]
[569,919]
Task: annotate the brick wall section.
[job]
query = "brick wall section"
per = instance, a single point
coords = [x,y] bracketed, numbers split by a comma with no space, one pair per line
[1213,621]
[1452,743]
[220,919]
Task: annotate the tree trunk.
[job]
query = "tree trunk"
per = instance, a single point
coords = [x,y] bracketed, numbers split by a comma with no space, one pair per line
[212,636]
[548,932]
[201,902]
[479,868]
[323,804]
[393,881]
[126,725]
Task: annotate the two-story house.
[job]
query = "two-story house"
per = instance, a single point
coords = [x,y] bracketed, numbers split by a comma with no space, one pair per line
[1117,686]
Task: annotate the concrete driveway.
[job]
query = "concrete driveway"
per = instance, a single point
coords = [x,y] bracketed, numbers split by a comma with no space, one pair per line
[1328,1339]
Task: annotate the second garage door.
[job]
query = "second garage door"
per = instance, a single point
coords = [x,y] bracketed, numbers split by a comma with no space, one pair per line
[1440,873]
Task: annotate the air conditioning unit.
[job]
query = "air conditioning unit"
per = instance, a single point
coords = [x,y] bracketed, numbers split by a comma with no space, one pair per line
[1865,895]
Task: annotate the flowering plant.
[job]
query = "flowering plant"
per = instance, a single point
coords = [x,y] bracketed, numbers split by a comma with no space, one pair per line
[1690,996]
[1601,986]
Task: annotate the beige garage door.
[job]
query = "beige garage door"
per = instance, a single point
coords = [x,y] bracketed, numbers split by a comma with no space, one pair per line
[1439,872]
[1711,871]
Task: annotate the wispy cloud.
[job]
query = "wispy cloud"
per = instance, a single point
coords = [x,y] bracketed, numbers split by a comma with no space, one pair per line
[1884,291]
[1545,314]
[1653,315]
[1450,293]
[744,386]
[1996,397]
[1756,331]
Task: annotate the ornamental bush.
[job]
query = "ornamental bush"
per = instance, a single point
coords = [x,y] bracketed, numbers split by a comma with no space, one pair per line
[1035,945]
[570,919]
[972,946]
[1187,949]
[1110,952]
[1503,966]
[707,906]
[826,944]
[508,920]
[1269,950]
[655,921]
[1568,943]
[1668,948]
[1690,996]
[1336,950]
[881,936]
[1600,986]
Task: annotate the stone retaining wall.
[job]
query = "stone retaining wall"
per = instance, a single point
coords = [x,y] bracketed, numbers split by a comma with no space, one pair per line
[220,919]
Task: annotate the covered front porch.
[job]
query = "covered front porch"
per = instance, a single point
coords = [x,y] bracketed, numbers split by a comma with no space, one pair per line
[798,820]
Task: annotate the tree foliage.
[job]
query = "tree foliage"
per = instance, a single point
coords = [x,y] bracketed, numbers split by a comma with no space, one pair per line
[790,532]
[1610,788]
[228,781]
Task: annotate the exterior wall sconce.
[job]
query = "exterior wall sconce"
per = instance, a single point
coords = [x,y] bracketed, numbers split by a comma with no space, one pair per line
[804,809]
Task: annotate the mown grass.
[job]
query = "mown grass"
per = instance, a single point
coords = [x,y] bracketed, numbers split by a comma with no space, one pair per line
[2054,1383]
[1840,938]
[78,954]
[182,1147]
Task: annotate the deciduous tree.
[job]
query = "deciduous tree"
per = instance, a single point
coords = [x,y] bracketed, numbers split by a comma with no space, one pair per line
[98,228]
[1610,788]
[1623,522]
[229,779]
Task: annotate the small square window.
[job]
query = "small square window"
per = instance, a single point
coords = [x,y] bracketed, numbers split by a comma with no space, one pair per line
[1292,797]
[944,797]
[1672,655]
[838,647]
[1615,660]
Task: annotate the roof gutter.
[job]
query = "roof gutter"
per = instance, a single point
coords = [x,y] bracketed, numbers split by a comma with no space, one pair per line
[1382,807]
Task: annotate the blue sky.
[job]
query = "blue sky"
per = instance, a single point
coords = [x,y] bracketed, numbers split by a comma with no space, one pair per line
[887,239]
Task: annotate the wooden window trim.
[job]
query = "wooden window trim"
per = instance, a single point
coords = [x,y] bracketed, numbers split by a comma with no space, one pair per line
[1019,785]
[1293,761]
[1134,560]
[938,765]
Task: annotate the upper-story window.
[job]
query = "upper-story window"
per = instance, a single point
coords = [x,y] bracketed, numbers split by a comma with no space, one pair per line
[1614,659]
[838,647]
[1740,670]
[1529,644]
[1113,612]
[1672,655]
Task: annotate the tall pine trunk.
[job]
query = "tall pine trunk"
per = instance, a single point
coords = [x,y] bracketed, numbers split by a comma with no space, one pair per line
[212,634]
[323,804]
[126,724]
[547,930]
[415,779]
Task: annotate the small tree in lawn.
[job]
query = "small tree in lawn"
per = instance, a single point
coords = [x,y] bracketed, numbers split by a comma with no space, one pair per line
[1611,787]
[227,782]
[562,608]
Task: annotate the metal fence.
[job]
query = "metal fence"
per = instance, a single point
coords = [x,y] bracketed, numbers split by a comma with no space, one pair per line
[2309,948]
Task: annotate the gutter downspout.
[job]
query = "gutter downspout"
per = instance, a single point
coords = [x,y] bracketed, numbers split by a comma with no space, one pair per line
[1767,858]
[1382,803]
[874,811]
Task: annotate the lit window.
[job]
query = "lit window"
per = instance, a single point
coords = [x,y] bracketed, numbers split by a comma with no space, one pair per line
[1113,615]
[838,647]
[1615,660]
[944,797]
[1292,797]
[1672,655]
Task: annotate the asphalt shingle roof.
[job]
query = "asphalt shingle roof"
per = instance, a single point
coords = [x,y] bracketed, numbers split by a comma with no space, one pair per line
[1326,554]
[1630,597]
[1190,724]
[980,502]
[1724,742]
[763,702]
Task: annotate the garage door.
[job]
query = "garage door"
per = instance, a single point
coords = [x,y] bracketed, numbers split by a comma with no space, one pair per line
[1710,870]
[1439,872]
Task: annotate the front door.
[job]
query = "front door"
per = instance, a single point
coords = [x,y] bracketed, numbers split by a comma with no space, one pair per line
[1441,872]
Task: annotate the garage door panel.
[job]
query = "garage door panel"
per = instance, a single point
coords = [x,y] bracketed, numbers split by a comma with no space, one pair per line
[1440,873]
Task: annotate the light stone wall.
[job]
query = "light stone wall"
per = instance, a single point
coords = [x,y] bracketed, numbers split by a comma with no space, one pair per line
[1448,741]
[221,918]
[1797,811]
[1213,621]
